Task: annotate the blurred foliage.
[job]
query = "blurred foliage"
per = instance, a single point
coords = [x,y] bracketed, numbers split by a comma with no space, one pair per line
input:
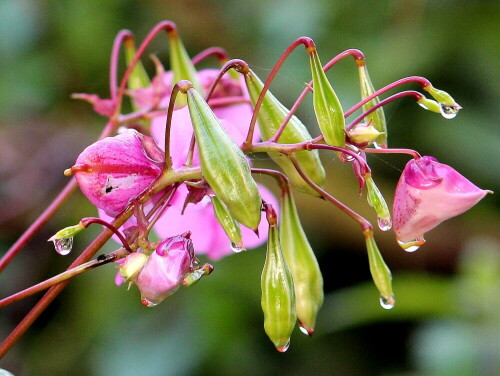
[446,318]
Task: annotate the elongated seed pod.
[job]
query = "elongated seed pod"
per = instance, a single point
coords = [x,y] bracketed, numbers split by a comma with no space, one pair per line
[299,256]
[327,107]
[271,115]
[278,296]
[223,164]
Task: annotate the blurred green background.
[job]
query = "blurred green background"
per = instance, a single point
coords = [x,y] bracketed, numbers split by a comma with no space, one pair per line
[446,321]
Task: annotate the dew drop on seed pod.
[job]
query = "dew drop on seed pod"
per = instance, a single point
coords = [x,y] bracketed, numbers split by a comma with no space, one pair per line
[305,331]
[385,224]
[283,348]
[148,303]
[412,245]
[237,248]
[448,112]
[387,303]
[63,246]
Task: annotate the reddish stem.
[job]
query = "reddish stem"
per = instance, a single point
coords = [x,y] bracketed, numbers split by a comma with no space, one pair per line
[308,44]
[415,154]
[281,178]
[86,222]
[220,53]
[408,93]
[168,124]
[115,56]
[167,26]
[365,225]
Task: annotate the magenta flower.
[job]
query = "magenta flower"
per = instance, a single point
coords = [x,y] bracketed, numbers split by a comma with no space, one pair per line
[113,171]
[165,269]
[427,194]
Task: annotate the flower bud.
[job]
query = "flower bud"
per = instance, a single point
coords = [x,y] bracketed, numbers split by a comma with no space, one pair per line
[271,115]
[165,269]
[327,107]
[449,108]
[223,164]
[427,194]
[278,297]
[299,256]
[63,239]
[114,170]
[377,202]
[377,118]
[363,134]
[380,272]
[228,223]
[132,265]
[105,107]
[429,105]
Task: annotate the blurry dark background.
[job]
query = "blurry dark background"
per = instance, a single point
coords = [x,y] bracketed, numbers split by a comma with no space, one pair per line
[447,313]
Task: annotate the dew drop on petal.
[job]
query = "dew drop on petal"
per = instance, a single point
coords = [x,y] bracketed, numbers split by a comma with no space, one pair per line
[387,302]
[385,224]
[283,348]
[237,248]
[148,303]
[412,245]
[63,246]
[448,112]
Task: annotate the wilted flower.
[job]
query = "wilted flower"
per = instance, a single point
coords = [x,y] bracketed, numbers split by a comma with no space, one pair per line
[427,194]
[165,269]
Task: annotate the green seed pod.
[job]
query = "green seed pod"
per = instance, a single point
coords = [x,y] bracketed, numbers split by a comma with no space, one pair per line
[380,273]
[300,257]
[429,105]
[223,164]
[278,297]
[139,77]
[376,118]
[228,223]
[182,66]
[271,115]
[327,107]
[377,202]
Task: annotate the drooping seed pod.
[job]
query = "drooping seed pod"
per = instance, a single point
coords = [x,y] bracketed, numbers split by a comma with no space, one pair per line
[271,115]
[228,223]
[327,107]
[223,164]
[299,256]
[278,296]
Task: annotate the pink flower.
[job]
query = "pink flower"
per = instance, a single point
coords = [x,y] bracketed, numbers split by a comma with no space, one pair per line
[113,171]
[165,269]
[427,194]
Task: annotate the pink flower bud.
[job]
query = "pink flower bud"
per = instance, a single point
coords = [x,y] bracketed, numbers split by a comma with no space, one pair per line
[105,107]
[165,269]
[427,194]
[114,170]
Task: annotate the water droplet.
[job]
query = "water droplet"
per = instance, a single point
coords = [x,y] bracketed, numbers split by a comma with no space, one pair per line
[449,112]
[63,246]
[412,245]
[148,303]
[387,303]
[307,332]
[385,224]
[237,248]
[284,347]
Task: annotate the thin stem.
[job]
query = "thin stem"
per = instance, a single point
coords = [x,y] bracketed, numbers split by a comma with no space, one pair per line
[168,125]
[68,274]
[421,80]
[415,154]
[47,213]
[161,209]
[364,223]
[86,222]
[408,93]
[167,26]
[309,44]
[281,178]
[220,53]
[115,55]
[358,57]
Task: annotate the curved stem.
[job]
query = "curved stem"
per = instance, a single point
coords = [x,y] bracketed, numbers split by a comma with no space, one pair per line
[113,66]
[168,125]
[86,222]
[220,53]
[364,223]
[309,44]
[415,154]
[407,93]
[167,26]
[281,178]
